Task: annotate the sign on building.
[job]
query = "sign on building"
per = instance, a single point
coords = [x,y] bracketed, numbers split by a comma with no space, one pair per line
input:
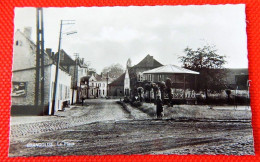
[19,89]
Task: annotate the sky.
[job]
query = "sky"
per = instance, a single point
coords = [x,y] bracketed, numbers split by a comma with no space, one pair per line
[109,35]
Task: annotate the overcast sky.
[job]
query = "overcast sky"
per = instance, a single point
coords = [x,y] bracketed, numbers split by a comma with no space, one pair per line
[107,35]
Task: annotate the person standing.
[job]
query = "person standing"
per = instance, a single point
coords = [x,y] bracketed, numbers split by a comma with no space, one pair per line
[159,107]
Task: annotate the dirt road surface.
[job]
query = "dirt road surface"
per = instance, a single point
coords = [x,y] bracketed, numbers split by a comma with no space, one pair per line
[116,131]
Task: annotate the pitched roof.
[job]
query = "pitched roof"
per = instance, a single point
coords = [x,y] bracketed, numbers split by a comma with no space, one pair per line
[148,62]
[119,81]
[65,59]
[31,42]
[170,69]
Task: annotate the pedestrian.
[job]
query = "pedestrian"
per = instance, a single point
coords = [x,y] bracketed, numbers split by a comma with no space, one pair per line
[159,107]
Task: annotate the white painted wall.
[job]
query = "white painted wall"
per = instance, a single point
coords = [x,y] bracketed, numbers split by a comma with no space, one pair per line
[63,89]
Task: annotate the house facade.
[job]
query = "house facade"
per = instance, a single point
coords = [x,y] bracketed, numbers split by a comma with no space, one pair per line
[98,85]
[24,79]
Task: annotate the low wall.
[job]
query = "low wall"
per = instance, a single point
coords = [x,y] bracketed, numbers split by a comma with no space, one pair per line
[17,110]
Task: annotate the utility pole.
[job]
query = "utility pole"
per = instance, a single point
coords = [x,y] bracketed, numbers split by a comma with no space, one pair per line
[39,59]
[42,61]
[37,76]
[55,97]
[75,77]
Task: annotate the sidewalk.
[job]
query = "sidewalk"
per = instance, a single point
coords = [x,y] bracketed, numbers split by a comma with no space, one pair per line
[68,112]
[29,125]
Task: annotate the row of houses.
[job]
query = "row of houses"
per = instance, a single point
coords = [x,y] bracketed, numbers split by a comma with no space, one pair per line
[69,90]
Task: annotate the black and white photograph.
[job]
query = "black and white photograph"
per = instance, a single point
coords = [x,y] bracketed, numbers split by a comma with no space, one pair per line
[147,80]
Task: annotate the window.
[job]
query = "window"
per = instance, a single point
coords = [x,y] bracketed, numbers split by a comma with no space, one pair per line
[81,71]
[160,77]
[18,43]
[60,88]
[103,92]
[65,92]
[140,77]
[150,77]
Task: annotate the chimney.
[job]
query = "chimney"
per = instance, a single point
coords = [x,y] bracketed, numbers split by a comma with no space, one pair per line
[27,32]
[49,51]
[53,55]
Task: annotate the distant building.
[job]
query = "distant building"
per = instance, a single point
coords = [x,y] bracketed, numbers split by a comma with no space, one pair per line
[23,80]
[98,85]
[237,79]
[133,77]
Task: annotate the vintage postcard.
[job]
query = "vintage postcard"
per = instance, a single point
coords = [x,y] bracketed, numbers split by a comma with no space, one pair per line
[130,80]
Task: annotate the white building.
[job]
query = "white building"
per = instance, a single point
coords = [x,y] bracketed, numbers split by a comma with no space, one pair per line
[23,79]
[98,85]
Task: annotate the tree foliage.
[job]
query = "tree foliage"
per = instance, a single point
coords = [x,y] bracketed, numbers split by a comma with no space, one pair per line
[209,64]
[148,87]
[202,58]
[114,70]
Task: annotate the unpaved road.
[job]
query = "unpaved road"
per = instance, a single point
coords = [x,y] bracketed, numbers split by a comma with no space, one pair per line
[117,133]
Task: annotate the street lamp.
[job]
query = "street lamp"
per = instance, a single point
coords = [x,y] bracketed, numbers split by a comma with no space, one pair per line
[54,97]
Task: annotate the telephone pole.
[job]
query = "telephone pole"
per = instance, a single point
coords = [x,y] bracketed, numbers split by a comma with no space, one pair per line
[75,77]
[54,98]
[39,79]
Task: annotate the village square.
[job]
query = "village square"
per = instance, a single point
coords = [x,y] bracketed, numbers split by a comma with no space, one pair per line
[61,105]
